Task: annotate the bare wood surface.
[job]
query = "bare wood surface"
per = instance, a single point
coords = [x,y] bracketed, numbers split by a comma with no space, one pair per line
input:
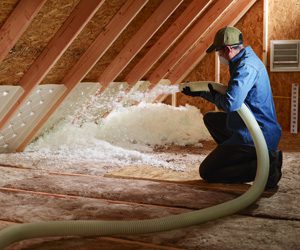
[66,34]
[183,22]
[143,35]
[17,23]
[194,56]
[188,42]
[90,57]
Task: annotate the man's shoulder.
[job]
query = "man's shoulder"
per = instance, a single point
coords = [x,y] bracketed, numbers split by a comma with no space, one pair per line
[251,60]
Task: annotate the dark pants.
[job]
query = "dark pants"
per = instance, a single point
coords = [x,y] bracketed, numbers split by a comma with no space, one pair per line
[226,163]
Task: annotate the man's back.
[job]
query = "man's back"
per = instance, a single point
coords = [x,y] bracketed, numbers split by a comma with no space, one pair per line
[249,84]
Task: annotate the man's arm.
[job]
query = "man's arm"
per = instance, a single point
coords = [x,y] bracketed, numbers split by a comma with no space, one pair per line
[239,86]
[204,94]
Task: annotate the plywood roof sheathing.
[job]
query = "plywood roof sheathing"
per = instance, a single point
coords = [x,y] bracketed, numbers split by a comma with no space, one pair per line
[17,23]
[193,57]
[101,44]
[190,14]
[190,39]
[82,13]
[159,16]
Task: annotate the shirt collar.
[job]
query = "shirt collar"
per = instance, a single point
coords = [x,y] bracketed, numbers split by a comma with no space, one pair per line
[238,56]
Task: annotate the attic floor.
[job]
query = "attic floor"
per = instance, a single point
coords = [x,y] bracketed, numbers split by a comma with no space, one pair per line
[32,192]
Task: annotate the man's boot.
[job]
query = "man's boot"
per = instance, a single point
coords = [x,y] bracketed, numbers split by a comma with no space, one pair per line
[275,169]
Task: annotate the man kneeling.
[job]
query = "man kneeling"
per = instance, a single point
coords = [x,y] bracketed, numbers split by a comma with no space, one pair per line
[234,159]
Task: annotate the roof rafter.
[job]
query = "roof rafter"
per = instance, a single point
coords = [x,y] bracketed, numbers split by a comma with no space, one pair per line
[190,61]
[77,20]
[188,16]
[190,40]
[17,23]
[142,36]
[101,44]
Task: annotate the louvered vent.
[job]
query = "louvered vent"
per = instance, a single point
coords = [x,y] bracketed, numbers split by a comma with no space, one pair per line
[285,55]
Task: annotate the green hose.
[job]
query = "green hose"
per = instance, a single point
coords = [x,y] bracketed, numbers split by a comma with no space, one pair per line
[20,232]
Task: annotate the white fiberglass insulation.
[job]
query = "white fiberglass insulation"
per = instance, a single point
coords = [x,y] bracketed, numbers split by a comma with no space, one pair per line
[125,137]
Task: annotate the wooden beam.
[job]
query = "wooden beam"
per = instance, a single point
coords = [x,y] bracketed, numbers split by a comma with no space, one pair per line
[265,32]
[17,23]
[77,20]
[143,35]
[183,22]
[101,44]
[192,38]
[231,16]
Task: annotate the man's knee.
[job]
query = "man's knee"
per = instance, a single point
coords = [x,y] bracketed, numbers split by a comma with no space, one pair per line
[205,172]
[214,118]
[208,118]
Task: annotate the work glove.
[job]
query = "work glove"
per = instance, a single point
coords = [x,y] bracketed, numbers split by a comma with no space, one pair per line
[212,91]
[187,91]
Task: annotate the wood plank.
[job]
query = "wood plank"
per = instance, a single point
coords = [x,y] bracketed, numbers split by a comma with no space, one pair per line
[190,39]
[233,232]
[90,57]
[180,25]
[191,60]
[77,20]
[17,23]
[141,37]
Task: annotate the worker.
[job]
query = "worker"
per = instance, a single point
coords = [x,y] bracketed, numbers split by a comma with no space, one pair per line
[234,158]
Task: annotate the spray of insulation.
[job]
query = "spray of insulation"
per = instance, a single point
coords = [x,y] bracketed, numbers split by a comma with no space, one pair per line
[127,133]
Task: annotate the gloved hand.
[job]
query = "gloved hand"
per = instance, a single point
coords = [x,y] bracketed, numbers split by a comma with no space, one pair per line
[212,91]
[187,91]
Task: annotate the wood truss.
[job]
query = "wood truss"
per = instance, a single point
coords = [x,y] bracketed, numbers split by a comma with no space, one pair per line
[177,50]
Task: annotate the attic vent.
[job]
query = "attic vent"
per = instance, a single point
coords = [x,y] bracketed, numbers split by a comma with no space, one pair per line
[285,55]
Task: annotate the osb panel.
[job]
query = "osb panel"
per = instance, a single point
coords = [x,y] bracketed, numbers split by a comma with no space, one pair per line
[284,24]
[6,7]
[35,39]
[281,82]
[284,19]
[84,40]
[157,64]
[154,39]
[283,107]
[123,39]
[203,71]
[251,25]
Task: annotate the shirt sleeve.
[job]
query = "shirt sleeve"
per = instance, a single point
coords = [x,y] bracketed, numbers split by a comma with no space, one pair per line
[239,86]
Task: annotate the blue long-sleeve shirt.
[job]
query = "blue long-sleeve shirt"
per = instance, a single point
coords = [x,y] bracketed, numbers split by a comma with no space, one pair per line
[249,83]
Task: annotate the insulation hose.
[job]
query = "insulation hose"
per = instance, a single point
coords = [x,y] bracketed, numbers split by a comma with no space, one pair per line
[20,232]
